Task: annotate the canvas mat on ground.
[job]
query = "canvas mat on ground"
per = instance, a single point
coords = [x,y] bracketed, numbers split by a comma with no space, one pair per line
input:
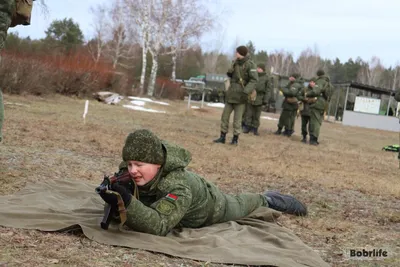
[60,205]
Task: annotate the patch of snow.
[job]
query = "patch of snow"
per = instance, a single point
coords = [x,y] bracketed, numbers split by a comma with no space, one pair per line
[148,100]
[216,105]
[138,103]
[268,118]
[143,109]
[195,107]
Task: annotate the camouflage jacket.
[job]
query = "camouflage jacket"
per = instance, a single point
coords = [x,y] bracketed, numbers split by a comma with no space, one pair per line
[306,105]
[6,9]
[263,90]
[247,71]
[320,92]
[292,90]
[176,197]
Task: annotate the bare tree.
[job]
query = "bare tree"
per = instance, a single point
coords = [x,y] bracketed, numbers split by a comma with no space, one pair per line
[281,62]
[189,20]
[100,25]
[371,72]
[138,12]
[210,58]
[309,62]
[121,44]
[158,29]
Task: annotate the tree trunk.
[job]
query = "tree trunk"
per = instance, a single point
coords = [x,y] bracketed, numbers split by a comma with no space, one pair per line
[144,65]
[173,76]
[153,75]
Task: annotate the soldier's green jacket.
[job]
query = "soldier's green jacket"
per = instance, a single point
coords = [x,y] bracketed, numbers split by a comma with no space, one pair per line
[320,92]
[246,69]
[175,198]
[292,90]
[6,9]
[300,97]
[263,89]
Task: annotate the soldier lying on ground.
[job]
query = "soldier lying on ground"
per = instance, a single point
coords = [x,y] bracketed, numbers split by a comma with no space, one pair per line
[171,196]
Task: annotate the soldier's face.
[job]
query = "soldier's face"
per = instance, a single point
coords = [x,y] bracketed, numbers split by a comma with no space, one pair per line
[239,56]
[142,172]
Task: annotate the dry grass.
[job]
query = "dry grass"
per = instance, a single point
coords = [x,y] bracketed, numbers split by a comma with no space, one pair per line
[351,187]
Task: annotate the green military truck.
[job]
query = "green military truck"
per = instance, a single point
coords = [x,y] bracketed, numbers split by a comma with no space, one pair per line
[214,82]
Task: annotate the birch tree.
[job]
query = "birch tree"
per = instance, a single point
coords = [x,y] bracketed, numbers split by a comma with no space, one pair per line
[138,12]
[188,21]
[371,72]
[281,61]
[309,62]
[97,44]
[121,44]
[158,29]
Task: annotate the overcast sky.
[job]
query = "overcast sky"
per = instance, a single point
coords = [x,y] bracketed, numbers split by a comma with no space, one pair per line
[339,28]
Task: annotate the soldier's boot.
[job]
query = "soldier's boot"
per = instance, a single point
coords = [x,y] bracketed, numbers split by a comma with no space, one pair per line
[255,131]
[279,131]
[304,140]
[235,140]
[285,203]
[246,129]
[221,139]
[288,133]
[313,140]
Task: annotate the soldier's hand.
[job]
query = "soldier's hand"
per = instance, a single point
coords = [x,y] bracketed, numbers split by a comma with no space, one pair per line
[253,95]
[111,198]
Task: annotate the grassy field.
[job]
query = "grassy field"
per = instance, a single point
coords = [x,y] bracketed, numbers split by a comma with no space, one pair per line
[351,187]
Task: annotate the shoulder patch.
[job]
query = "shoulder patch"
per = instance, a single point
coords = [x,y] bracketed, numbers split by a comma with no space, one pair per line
[172,197]
[165,207]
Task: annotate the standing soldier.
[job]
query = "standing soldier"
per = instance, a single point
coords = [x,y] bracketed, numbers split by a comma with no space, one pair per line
[290,105]
[305,110]
[253,108]
[12,13]
[317,98]
[243,74]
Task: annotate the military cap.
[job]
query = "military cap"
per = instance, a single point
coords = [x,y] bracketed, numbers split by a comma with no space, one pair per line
[242,50]
[320,72]
[261,66]
[144,146]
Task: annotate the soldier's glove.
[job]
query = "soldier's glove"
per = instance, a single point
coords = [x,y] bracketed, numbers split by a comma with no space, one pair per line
[229,74]
[112,199]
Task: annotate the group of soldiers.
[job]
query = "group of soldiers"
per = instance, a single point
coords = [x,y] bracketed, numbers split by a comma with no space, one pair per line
[310,101]
[251,87]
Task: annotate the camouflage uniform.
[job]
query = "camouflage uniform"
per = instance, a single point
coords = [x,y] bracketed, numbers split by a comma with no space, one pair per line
[244,79]
[6,10]
[289,110]
[7,19]
[253,108]
[305,112]
[319,93]
[177,197]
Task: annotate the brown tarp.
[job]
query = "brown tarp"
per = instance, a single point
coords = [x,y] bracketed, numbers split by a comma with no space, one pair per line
[63,205]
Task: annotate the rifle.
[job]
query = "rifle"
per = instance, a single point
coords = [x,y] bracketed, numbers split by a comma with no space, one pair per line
[123,178]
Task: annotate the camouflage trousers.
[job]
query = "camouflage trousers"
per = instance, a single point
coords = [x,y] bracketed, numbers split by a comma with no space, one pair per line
[238,110]
[305,121]
[252,115]
[239,206]
[1,115]
[287,119]
[316,117]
